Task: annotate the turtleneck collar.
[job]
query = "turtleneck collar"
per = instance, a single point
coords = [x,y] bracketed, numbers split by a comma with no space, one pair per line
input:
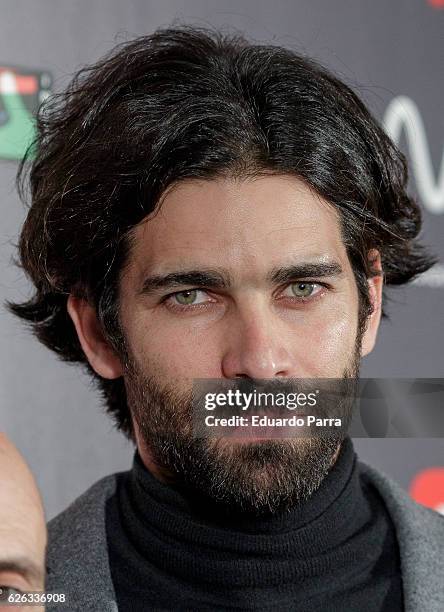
[175,502]
[165,526]
[174,552]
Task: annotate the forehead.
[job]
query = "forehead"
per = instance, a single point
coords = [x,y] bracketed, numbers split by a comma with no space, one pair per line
[22,523]
[242,225]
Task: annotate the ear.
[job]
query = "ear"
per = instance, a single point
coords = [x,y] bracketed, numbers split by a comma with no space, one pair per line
[375,293]
[101,356]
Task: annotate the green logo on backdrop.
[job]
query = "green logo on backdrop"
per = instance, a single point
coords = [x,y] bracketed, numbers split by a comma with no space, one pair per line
[21,93]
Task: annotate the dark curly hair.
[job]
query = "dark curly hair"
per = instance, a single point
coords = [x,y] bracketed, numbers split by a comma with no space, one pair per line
[194,103]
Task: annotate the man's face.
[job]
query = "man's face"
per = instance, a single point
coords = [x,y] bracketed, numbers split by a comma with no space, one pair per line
[22,526]
[254,325]
[235,279]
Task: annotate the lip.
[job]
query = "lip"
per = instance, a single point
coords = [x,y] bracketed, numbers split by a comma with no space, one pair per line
[262,433]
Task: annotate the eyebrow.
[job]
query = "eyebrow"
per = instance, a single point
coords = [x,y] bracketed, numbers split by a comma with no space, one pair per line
[306,270]
[23,566]
[221,279]
[208,278]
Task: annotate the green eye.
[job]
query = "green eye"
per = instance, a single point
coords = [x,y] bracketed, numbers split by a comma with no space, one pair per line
[7,591]
[302,290]
[185,298]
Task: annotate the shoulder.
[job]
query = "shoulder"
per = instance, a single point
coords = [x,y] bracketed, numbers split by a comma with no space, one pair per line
[401,506]
[88,508]
[77,555]
[420,535]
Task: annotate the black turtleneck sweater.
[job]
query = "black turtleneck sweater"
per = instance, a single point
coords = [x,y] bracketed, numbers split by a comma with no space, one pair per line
[335,552]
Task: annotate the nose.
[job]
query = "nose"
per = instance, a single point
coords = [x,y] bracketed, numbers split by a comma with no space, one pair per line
[257,349]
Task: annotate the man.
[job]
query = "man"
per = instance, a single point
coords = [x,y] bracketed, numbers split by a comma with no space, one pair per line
[22,531]
[203,208]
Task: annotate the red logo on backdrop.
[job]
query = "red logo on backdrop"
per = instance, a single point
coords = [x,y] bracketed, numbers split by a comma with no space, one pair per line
[436,3]
[427,488]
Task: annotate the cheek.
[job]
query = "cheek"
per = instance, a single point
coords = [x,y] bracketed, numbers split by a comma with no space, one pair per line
[331,342]
[176,352]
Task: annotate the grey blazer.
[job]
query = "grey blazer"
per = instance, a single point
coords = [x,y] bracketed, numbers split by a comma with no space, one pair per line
[77,560]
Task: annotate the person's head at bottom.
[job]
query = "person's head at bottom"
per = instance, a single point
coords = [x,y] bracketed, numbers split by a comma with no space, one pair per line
[22,528]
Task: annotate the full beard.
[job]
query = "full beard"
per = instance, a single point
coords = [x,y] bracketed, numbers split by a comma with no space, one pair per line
[256,478]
